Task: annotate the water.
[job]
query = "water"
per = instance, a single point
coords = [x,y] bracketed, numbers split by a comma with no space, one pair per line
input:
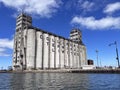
[59,81]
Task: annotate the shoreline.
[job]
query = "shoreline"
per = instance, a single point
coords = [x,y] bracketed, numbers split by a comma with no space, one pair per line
[67,71]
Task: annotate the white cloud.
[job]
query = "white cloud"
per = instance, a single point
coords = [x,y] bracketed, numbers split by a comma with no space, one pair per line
[92,23]
[4,45]
[87,5]
[82,6]
[43,8]
[110,8]
[2,49]
[2,53]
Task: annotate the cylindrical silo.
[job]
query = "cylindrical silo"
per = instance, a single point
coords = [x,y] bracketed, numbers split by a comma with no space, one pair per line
[62,53]
[52,51]
[57,45]
[45,50]
[70,51]
[39,50]
[31,49]
[66,54]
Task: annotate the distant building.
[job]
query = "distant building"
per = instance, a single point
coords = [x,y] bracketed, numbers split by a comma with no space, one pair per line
[38,49]
[90,65]
[90,62]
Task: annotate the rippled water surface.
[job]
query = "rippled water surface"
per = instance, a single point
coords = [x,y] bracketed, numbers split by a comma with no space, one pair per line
[59,81]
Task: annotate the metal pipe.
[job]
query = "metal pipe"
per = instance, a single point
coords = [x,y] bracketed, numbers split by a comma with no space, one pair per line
[97,58]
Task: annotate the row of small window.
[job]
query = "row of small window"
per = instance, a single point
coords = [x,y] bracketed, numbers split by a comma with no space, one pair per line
[72,53]
[23,16]
[18,30]
[17,57]
[18,24]
[73,31]
[53,50]
[24,19]
[72,35]
[78,39]
[57,41]
[67,52]
[15,61]
[53,45]
[41,36]
[18,42]
[17,50]
[23,23]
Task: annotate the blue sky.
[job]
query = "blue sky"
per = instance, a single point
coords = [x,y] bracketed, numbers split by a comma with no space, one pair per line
[98,20]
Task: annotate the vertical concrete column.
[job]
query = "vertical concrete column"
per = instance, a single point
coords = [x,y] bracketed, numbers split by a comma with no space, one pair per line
[68,48]
[14,54]
[55,52]
[39,50]
[72,54]
[81,57]
[52,51]
[70,51]
[45,51]
[84,56]
[57,45]
[25,38]
[66,54]
[22,53]
[63,54]
[31,49]
[60,52]
[25,46]
[25,32]
[77,55]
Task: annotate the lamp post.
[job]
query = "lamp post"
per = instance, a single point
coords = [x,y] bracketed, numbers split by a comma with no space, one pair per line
[117,55]
[100,63]
[97,58]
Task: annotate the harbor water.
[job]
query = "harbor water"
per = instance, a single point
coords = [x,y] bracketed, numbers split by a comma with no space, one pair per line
[59,81]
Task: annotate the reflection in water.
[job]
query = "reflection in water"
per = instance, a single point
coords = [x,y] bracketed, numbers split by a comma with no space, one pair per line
[49,81]
[17,81]
[59,81]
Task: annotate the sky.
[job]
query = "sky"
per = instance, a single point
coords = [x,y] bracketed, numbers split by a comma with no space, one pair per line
[99,21]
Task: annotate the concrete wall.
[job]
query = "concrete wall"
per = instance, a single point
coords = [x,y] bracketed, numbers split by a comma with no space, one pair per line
[70,51]
[39,52]
[52,51]
[31,49]
[62,53]
[66,63]
[57,52]
[45,50]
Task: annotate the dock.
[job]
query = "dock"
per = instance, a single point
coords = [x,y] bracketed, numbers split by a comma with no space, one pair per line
[66,71]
